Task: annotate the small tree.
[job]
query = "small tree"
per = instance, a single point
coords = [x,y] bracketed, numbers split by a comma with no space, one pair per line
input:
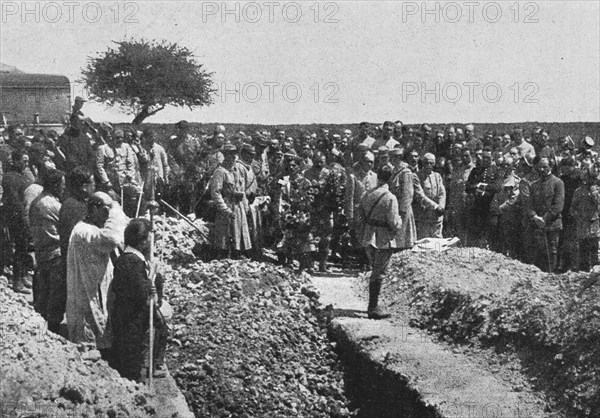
[144,77]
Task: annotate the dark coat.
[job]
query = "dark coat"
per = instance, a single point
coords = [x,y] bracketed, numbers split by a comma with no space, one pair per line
[547,200]
[585,208]
[490,179]
[14,185]
[130,315]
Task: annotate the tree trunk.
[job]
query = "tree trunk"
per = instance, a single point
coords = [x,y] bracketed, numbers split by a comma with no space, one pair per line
[141,116]
[144,114]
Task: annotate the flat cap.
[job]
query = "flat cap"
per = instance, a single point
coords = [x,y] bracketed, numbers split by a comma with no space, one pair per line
[249,148]
[228,147]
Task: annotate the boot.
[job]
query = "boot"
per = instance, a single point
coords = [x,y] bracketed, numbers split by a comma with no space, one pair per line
[373,296]
[306,262]
[373,310]
[379,313]
[27,282]
[19,287]
[323,267]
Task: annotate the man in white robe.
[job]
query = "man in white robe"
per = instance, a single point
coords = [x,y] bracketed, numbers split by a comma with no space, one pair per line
[90,271]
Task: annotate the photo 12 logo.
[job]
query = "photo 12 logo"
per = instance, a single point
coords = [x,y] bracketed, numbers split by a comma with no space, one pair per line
[270,11]
[69,11]
[470,11]
[276,92]
[471,91]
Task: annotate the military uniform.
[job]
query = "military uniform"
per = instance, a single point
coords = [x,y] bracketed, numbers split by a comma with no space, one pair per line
[322,214]
[523,200]
[568,244]
[228,192]
[585,209]
[456,213]
[510,220]
[183,155]
[358,182]
[254,212]
[116,166]
[547,200]
[482,185]
[379,214]
[14,184]
[296,220]
[402,186]
[77,147]
[429,222]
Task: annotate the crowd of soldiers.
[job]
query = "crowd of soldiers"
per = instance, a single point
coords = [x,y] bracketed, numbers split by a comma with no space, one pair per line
[531,197]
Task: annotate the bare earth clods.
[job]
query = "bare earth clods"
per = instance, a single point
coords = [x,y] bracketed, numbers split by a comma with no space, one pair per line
[246,342]
[43,375]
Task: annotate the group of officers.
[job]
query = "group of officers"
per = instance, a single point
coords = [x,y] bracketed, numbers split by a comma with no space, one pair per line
[312,198]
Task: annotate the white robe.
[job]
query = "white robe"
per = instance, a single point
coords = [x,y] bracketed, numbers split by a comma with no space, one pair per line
[89,276]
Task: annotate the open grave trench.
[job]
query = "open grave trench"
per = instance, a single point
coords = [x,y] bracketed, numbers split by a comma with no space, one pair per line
[255,339]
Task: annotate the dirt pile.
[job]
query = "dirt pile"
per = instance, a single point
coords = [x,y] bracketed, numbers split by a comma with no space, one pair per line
[175,239]
[246,342]
[480,298]
[43,374]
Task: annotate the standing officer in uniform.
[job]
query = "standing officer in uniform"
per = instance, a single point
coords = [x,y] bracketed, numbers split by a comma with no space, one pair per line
[429,220]
[545,213]
[379,213]
[484,182]
[230,235]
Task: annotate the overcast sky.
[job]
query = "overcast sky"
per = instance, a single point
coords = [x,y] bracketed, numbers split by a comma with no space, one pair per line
[336,62]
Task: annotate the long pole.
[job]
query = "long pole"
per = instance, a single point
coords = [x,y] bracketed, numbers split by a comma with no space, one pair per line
[182,216]
[152,205]
[139,203]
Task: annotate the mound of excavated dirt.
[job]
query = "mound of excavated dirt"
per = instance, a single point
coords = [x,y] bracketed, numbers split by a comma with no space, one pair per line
[175,239]
[43,375]
[245,342]
[548,324]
